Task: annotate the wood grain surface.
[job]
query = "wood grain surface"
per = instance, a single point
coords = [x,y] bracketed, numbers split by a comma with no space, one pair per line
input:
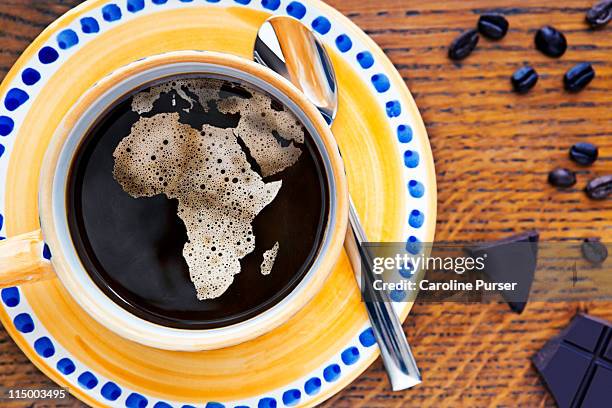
[493,150]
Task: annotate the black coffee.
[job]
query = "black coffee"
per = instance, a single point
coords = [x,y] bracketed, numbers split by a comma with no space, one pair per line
[132,216]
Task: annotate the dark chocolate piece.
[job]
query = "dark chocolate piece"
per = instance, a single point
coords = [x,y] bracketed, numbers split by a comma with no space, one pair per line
[512,259]
[576,365]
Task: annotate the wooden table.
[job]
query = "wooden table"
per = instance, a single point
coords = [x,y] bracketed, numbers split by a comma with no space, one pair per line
[493,150]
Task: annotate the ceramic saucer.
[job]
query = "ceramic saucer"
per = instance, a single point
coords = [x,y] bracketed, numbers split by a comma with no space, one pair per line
[327,344]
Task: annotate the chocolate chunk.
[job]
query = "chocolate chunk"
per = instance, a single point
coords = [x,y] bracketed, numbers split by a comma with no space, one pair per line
[576,366]
[598,393]
[584,333]
[512,259]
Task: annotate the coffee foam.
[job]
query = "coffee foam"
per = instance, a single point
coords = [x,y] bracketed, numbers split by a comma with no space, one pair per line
[269,132]
[268,259]
[219,195]
[204,90]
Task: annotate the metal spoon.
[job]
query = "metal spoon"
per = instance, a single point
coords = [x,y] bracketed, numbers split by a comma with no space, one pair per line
[291,49]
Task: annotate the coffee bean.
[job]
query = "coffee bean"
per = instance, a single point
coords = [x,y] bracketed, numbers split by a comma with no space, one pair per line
[594,251]
[561,177]
[600,14]
[578,77]
[524,79]
[584,153]
[550,41]
[493,26]
[599,188]
[463,45]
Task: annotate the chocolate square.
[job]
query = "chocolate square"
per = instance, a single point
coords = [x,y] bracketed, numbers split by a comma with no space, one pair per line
[576,364]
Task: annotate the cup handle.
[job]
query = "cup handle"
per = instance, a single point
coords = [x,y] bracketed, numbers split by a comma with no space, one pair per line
[22,261]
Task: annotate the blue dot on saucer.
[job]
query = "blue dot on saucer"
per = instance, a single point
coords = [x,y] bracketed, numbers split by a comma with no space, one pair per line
[350,355]
[65,366]
[366,338]
[380,82]
[312,386]
[10,296]
[411,159]
[266,403]
[111,12]
[87,380]
[23,322]
[135,400]
[46,252]
[270,4]
[135,5]
[344,43]
[67,38]
[321,25]
[291,397]
[416,188]
[365,59]
[30,76]
[416,219]
[331,372]
[44,347]
[393,108]
[407,270]
[413,245]
[397,295]
[15,98]
[110,391]
[89,25]
[48,55]
[404,133]
[296,9]
[6,125]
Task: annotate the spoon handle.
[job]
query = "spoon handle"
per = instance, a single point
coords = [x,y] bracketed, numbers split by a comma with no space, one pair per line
[394,348]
